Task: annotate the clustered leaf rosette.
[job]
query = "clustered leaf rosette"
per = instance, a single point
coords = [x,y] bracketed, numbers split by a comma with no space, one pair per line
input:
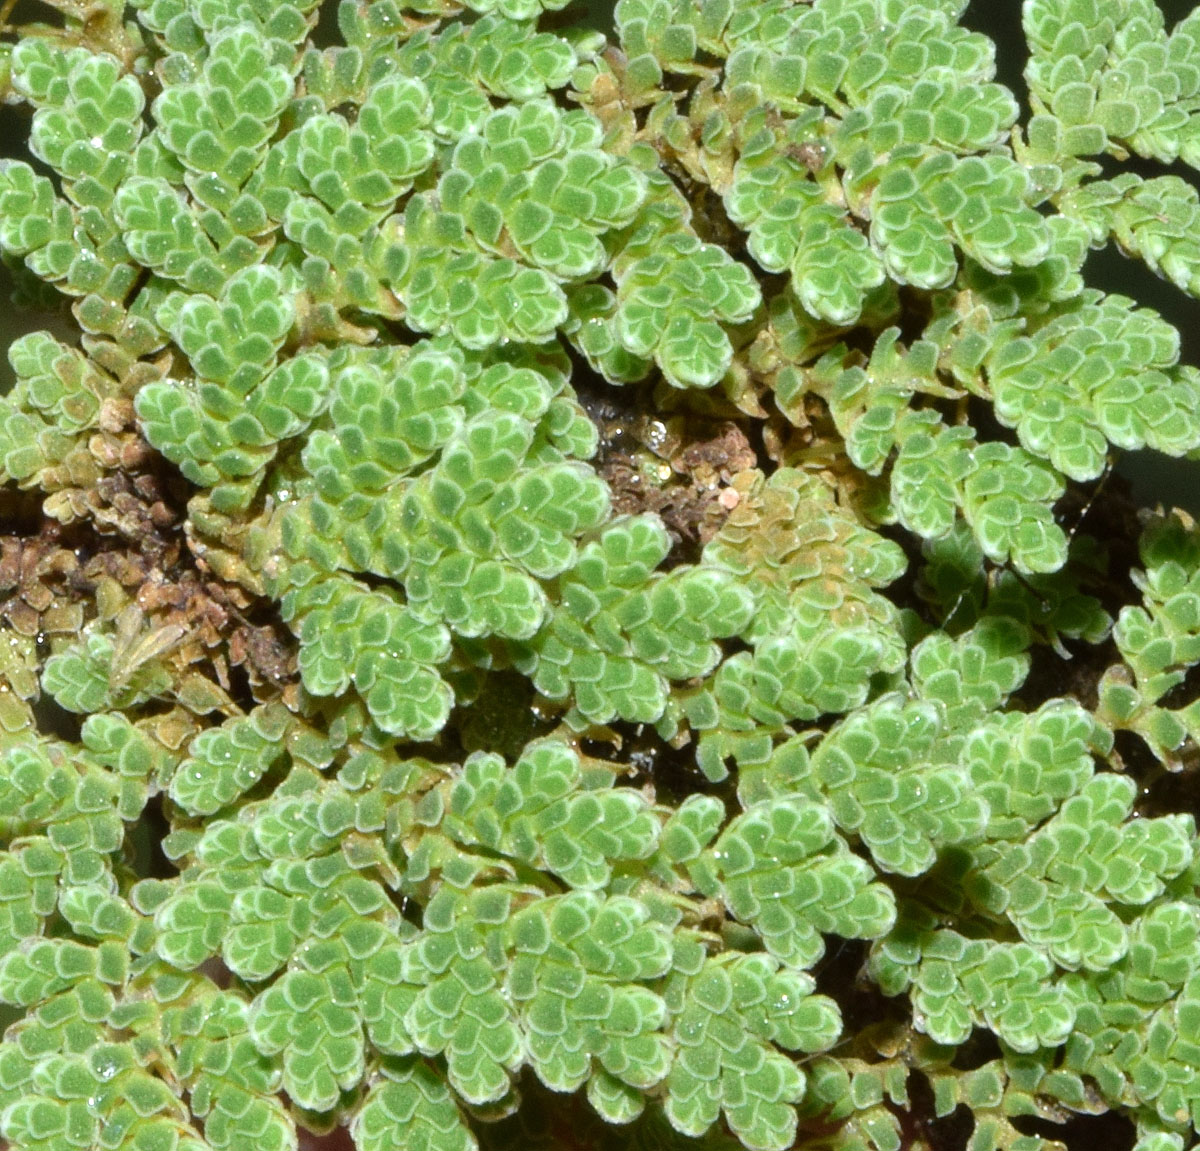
[1104,80]
[675,302]
[519,211]
[52,422]
[1152,219]
[462,65]
[621,630]
[333,988]
[331,185]
[1158,640]
[87,128]
[582,982]
[496,508]
[362,275]
[820,629]
[350,634]
[222,427]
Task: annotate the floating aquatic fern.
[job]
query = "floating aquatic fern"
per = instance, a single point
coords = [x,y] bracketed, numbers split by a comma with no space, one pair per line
[559,566]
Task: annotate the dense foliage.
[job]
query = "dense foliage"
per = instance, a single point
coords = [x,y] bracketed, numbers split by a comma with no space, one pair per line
[564,568]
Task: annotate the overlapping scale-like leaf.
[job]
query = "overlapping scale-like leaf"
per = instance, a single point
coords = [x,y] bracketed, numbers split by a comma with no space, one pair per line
[349,634]
[461,64]
[841,55]
[820,630]
[794,227]
[28,891]
[36,223]
[658,36]
[462,1012]
[55,403]
[753,697]
[87,125]
[1155,220]
[1101,372]
[936,109]
[875,771]
[540,812]
[537,180]
[783,869]
[577,962]
[309,1020]
[42,968]
[410,1107]
[1107,78]
[1127,1036]
[1057,886]
[923,206]
[73,1098]
[1157,640]
[484,525]
[868,400]
[620,631]
[521,208]
[164,231]
[673,303]
[1005,493]
[1050,606]
[234,1084]
[331,184]
[516,9]
[184,24]
[360,940]
[219,123]
[192,919]
[449,286]
[222,426]
[225,762]
[386,421]
[961,983]
[731,1016]
[1023,766]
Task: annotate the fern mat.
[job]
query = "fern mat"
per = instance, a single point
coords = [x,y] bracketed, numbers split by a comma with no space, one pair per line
[563,581]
